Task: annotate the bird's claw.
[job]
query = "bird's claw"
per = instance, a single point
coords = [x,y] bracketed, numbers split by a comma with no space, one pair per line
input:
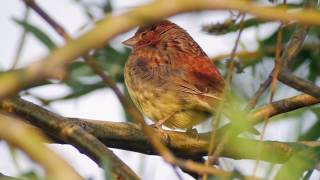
[192,132]
[162,133]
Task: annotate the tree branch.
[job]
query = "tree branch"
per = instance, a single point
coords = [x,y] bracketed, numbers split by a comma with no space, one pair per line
[59,128]
[17,133]
[283,106]
[129,137]
[291,50]
[298,83]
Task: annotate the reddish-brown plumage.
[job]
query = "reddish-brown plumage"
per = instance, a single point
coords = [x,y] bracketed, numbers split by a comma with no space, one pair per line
[170,78]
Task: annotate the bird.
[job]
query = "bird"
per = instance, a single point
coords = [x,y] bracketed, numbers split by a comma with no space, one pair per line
[170,79]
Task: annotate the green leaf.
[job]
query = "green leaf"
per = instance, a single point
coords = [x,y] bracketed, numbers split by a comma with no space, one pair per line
[31,175]
[313,133]
[314,66]
[107,6]
[299,163]
[272,40]
[308,175]
[229,26]
[38,33]
[113,61]
[82,80]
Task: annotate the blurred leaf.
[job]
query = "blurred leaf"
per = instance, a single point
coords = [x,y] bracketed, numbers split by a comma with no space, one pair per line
[239,119]
[107,7]
[299,163]
[82,80]
[38,33]
[229,26]
[4,177]
[272,40]
[236,174]
[313,133]
[308,175]
[314,66]
[113,61]
[14,152]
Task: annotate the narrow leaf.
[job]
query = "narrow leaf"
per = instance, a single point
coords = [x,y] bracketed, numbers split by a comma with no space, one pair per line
[38,33]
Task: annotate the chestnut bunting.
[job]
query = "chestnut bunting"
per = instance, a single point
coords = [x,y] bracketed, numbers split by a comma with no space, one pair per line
[170,78]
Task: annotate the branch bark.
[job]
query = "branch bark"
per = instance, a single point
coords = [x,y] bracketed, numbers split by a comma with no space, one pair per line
[129,136]
[17,133]
[65,131]
[299,84]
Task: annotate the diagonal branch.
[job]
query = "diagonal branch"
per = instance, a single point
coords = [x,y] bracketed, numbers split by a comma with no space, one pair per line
[22,136]
[299,84]
[68,132]
[283,106]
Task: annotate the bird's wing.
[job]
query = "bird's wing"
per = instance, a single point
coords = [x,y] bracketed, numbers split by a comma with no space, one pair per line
[201,75]
[201,79]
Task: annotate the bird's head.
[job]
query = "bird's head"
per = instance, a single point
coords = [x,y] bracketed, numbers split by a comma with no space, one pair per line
[150,35]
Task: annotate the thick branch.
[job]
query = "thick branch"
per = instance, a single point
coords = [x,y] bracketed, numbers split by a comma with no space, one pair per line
[22,136]
[129,137]
[60,128]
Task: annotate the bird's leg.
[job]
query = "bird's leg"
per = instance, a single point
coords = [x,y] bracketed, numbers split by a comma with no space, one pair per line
[158,126]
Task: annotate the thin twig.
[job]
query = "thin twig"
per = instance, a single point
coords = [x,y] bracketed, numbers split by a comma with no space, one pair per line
[233,53]
[277,64]
[253,101]
[59,29]
[291,50]
[229,78]
[21,41]
[174,167]
[275,73]
[216,120]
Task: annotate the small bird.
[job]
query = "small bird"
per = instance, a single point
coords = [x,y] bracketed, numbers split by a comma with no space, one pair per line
[170,78]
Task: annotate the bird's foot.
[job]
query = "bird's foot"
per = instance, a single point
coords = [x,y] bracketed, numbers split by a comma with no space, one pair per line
[192,132]
[162,133]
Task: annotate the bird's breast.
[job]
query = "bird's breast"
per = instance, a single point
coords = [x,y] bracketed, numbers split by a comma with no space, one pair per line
[148,83]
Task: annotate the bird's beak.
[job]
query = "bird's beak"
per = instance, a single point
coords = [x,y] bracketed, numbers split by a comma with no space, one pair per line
[131,41]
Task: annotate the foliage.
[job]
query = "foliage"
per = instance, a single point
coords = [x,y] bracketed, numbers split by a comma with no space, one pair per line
[81,80]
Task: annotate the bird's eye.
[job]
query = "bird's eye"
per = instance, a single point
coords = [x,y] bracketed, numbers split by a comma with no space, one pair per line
[143,34]
[153,28]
